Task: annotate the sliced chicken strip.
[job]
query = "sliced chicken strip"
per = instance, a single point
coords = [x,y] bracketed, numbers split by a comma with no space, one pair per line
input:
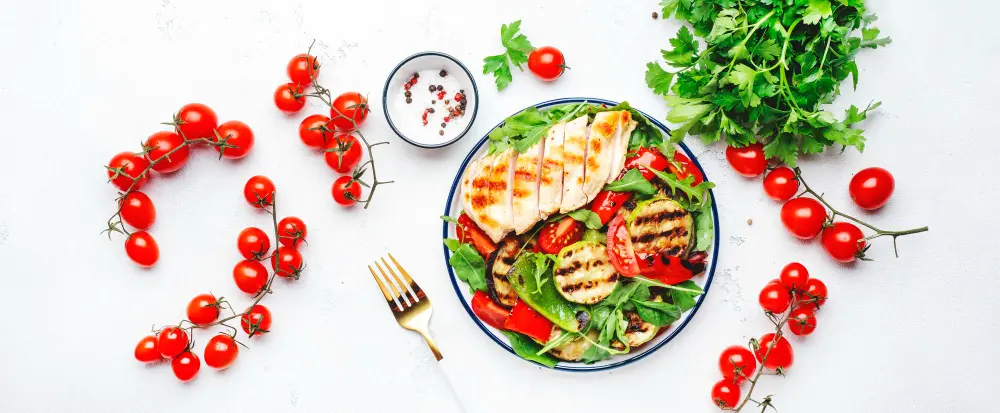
[574,158]
[499,193]
[604,133]
[627,125]
[525,187]
[472,171]
[479,197]
[550,188]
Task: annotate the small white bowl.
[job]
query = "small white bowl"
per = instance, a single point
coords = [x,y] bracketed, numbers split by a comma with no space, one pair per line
[405,119]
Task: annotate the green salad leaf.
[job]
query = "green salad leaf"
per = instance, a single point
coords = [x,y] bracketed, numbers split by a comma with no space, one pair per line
[657,313]
[516,49]
[633,181]
[524,129]
[695,195]
[529,350]
[469,266]
[684,296]
[704,226]
[593,235]
[540,294]
[587,217]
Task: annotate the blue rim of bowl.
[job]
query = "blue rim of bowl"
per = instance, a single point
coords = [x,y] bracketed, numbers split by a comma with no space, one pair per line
[385,93]
[580,367]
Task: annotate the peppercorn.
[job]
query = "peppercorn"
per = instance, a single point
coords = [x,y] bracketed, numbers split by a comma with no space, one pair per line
[416,75]
[443,124]
[408,93]
[443,73]
[446,101]
[409,100]
[656,15]
[433,101]
[441,132]
[431,88]
[431,110]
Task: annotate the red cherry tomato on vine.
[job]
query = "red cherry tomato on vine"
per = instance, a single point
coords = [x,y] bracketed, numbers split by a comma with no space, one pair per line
[725,394]
[259,191]
[346,191]
[313,131]
[253,243]
[131,166]
[138,210]
[814,296]
[748,161]
[775,298]
[162,143]
[203,309]
[172,341]
[142,248]
[238,137]
[288,97]
[844,241]
[196,121]
[256,321]
[302,69]
[779,356]
[803,217]
[250,276]
[794,276]
[736,364]
[186,366]
[287,262]
[781,184]
[343,153]
[292,232]
[871,188]
[221,351]
[146,351]
[347,106]
[801,321]
[547,63]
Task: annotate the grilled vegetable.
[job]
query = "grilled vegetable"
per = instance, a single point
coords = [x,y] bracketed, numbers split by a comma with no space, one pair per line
[499,264]
[544,298]
[661,226]
[584,274]
[637,333]
[573,349]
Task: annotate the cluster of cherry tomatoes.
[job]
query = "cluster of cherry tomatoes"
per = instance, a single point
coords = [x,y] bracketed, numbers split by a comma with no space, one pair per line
[254,245]
[806,217]
[166,152]
[794,298]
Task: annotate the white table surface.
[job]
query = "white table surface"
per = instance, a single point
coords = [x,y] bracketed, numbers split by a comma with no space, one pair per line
[81,81]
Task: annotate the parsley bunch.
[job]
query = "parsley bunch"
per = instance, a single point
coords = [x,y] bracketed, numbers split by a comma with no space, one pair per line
[516,50]
[766,68]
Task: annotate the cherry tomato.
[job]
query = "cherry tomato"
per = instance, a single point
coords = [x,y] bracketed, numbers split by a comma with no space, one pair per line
[620,251]
[250,276]
[468,232]
[186,366]
[489,311]
[803,217]
[748,161]
[253,243]
[238,138]
[302,69]
[172,341]
[287,262]
[221,351]
[162,143]
[203,309]
[814,296]
[725,394]
[736,364]
[289,97]
[138,210]
[686,168]
[292,232]
[147,351]
[871,188]
[316,131]
[646,159]
[555,236]
[126,166]
[347,106]
[346,191]
[196,121]
[343,153]
[801,321]
[547,63]
[844,241]
[775,298]
[781,184]
[259,191]
[256,321]
[142,248]
[794,276]
[779,356]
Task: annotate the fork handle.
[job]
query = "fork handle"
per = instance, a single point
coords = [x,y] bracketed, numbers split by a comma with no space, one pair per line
[432,345]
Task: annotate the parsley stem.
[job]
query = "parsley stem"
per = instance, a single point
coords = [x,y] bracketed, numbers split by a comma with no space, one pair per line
[743,43]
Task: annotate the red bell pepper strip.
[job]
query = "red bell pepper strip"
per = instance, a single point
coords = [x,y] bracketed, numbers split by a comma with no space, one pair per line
[607,203]
[670,269]
[489,311]
[469,232]
[646,159]
[523,319]
[686,168]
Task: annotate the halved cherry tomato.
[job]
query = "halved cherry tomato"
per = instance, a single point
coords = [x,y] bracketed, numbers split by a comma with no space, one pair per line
[669,269]
[469,232]
[523,319]
[620,251]
[557,235]
[489,311]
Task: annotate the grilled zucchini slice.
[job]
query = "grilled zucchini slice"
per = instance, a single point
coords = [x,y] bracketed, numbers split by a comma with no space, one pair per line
[637,333]
[573,349]
[500,263]
[661,226]
[584,275]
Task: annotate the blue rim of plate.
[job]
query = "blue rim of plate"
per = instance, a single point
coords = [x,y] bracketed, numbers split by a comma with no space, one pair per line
[580,367]
[385,105]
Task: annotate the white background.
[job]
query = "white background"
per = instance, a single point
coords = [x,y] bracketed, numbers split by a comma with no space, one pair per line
[81,81]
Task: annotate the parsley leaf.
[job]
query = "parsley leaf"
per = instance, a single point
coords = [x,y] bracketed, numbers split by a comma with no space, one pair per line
[516,50]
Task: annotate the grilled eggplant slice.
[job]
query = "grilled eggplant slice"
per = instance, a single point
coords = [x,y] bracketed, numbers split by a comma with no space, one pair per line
[500,263]
[637,333]
[584,274]
[573,349]
[661,226]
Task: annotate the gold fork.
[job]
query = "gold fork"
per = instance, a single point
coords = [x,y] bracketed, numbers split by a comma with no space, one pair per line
[408,303]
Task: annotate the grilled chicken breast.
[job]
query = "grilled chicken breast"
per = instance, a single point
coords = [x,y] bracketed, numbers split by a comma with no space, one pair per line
[479,200]
[584,275]
[498,196]
[550,186]
[604,134]
[626,125]
[661,225]
[571,350]
[468,177]
[524,195]
[499,265]
[574,165]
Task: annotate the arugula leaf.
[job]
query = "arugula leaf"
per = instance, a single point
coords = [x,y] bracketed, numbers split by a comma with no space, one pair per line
[588,217]
[528,349]
[691,288]
[704,226]
[450,219]
[468,264]
[685,299]
[516,50]
[695,195]
[541,268]
[633,181]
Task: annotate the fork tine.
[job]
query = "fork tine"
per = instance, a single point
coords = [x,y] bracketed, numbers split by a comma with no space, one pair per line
[415,289]
[412,297]
[385,293]
[399,296]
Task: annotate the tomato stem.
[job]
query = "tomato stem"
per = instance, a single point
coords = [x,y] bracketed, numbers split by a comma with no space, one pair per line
[778,324]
